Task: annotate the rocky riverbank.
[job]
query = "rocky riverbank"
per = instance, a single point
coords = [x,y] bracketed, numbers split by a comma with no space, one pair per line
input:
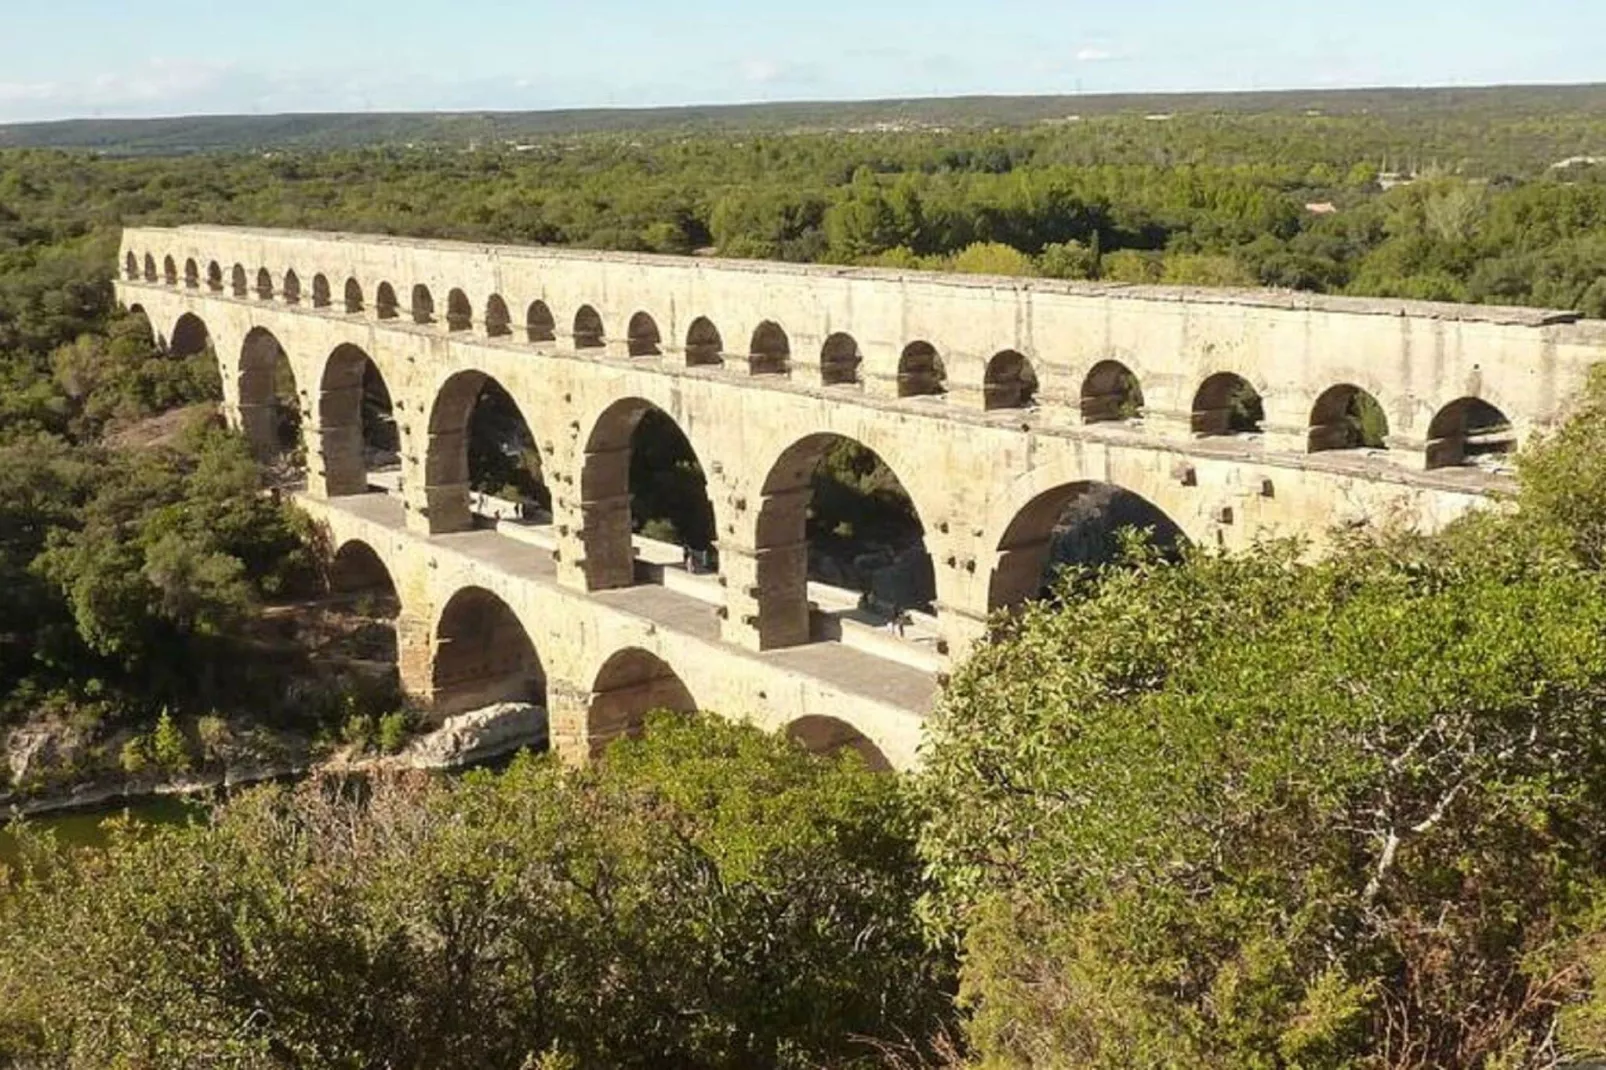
[460,742]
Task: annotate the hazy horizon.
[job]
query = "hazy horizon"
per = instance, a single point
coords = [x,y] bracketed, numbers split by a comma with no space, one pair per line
[807,101]
[99,59]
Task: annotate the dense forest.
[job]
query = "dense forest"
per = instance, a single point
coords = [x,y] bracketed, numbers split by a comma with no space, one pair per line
[1195,811]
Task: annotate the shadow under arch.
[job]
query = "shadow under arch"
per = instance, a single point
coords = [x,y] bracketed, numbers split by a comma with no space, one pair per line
[833,511]
[1073,524]
[642,338]
[1110,392]
[921,372]
[358,576]
[479,441]
[269,400]
[840,361]
[1347,417]
[482,655]
[1227,404]
[631,684]
[704,346]
[190,336]
[1468,430]
[356,422]
[828,736]
[1010,383]
[640,472]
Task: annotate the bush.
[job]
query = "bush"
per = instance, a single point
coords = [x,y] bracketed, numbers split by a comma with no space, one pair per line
[394,730]
[135,756]
[707,896]
[359,731]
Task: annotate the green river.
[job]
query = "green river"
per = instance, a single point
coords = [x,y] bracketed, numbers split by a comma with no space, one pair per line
[86,828]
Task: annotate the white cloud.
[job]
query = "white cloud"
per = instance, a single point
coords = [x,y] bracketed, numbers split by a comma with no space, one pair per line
[1093,54]
[762,71]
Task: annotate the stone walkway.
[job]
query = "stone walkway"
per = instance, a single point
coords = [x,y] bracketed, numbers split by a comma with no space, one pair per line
[849,669]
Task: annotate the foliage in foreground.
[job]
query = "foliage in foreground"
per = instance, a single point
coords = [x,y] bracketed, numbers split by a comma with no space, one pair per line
[1244,812]
[707,897]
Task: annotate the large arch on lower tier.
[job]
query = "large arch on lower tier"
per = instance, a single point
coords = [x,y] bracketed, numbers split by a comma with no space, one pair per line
[357,575]
[1075,522]
[606,492]
[887,524]
[631,684]
[449,464]
[356,422]
[831,735]
[481,654]
[269,397]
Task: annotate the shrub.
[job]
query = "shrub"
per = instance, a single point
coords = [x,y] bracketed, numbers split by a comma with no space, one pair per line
[707,896]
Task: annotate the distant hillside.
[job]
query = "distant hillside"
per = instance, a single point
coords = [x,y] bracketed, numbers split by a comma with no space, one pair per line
[325,131]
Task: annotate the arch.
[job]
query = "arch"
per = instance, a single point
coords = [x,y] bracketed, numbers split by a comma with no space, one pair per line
[771,351]
[356,567]
[237,279]
[150,268]
[704,347]
[1467,429]
[320,291]
[539,326]
[840,361]
[356,423]
[1111,392]
[1226,404]
[214,277]
[386,306]
[358,575]
[353,297]
[423,305]
[270,407]
[190,336]
[498,322]
[1074,523]
[482,655]
[588,329]
[661,490]
[631,684]
[642,337]
[459,312]
[292,287]
[169,271]
[830,735]
[921,372]
[799,536]
[501,460]
[192,274]
[1010,383]
[131,266]
[1347,417]
[264,284]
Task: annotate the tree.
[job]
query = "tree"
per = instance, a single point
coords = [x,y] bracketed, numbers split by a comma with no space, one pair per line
[1246,812]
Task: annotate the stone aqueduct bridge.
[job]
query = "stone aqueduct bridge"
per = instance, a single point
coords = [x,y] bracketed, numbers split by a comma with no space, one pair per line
[994,401]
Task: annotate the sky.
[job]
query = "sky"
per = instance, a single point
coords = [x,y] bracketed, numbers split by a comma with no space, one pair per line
[133,58]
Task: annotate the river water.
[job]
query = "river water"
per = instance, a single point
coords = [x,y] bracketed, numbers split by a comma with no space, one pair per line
[87,828]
